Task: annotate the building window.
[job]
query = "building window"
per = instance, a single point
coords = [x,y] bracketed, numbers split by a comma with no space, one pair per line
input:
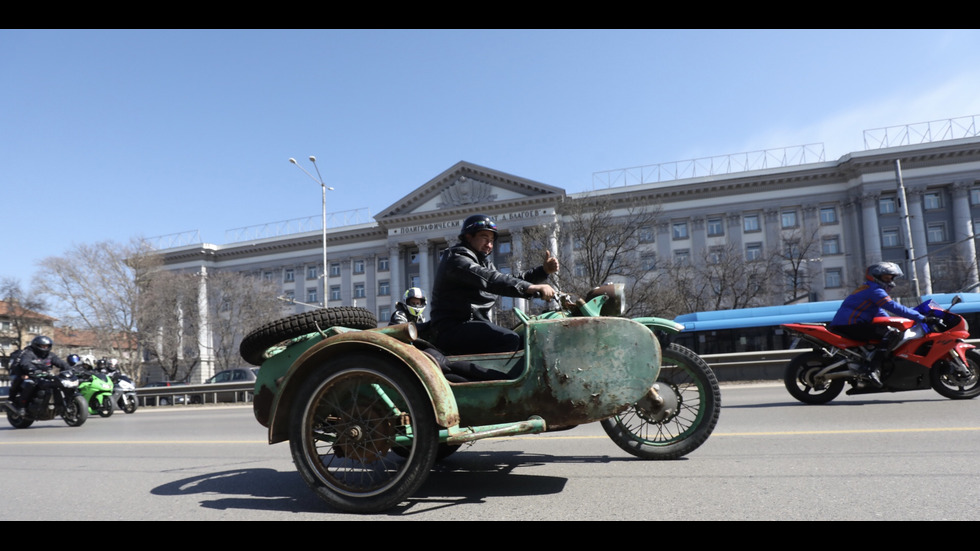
[384,313]
[335,269]
[578,270]
[716,255]
[715,227]
[828,215]
[679,230]
[889,238]
[359,290]
[577,243]
[753,251]
[750,223]
[290,296]
[335,292]
[383,264]
[936,233]
[975,195]
[311,272]
[502,247]
[886,205]
[932,200]
[832,279]
[646,234]
[788,219]
[358,266]
[267,276]
[830,245]
[288,275]
[384,289]
[682,257]
[311,295]
[648,262]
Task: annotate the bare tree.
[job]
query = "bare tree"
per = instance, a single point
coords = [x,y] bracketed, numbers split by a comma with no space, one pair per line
[798,249]
[238,302]
[721,277]
[610,241]
[23,311]
[170,322]
[97,287]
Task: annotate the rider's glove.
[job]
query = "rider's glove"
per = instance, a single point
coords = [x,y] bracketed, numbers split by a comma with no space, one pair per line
[930,320]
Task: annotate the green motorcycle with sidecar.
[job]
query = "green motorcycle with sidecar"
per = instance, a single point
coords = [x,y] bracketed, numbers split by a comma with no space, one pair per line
[367,413]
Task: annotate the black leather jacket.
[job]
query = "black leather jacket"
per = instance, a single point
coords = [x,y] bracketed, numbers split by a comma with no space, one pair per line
[402,315]
[29,363]
[467,285]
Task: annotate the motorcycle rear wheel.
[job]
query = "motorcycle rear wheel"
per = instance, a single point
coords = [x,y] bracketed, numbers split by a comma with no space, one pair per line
[18,421]
[799,379]
[951,384]
[693,403]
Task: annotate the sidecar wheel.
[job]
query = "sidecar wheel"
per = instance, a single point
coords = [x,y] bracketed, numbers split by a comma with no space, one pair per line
[345,423]
[257,342]
[688,415]
[799,379]
[76,412]
[951,384]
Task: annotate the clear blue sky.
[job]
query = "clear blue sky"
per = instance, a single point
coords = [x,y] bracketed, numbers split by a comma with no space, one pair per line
[110,134]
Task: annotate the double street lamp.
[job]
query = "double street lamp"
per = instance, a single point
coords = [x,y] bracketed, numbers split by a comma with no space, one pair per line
[324,187]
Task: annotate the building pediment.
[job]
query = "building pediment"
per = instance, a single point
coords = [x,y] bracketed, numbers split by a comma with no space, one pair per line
[463,188]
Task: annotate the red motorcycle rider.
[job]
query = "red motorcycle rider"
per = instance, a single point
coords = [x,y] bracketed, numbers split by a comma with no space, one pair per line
[855,315]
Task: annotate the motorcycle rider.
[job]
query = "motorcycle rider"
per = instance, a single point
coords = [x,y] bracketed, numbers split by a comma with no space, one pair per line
[35,358]
[854,317]
[412,309]
[465,290]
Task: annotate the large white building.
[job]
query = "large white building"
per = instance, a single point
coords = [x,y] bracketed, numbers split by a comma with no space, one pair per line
[856,204]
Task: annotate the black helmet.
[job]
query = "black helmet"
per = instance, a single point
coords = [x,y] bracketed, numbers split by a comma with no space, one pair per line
[476,223]
[73,359]
[875,271]
[42,345]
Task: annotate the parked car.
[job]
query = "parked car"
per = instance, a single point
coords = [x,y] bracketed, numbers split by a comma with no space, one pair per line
[165,400]
[235,375]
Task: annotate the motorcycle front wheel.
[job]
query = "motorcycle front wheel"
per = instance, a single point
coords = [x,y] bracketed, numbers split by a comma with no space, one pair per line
[127,404]
[348,418]
[801,383]
[678,426]
[76,412]
[106,408]
[949,382]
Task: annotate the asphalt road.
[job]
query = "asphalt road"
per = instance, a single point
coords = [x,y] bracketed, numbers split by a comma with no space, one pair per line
[908,456]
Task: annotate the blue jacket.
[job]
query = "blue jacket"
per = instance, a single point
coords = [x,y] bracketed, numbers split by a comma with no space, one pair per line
[869,301]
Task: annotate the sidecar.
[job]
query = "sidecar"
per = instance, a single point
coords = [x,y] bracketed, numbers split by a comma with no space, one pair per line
[367,413]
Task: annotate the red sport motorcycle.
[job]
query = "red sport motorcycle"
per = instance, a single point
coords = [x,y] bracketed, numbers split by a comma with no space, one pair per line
[926,357]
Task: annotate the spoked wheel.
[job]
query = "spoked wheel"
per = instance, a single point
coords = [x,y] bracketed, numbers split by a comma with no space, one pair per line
[345,423]
[681,420]
[802,380]
[76,412]
[951,383]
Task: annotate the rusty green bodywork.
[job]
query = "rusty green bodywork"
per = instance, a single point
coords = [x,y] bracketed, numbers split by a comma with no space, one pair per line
[577,369]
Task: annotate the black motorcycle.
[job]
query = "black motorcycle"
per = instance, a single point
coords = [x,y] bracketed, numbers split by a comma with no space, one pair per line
[55,395]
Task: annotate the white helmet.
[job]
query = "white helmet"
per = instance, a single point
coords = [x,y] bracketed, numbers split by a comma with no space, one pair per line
[415,292]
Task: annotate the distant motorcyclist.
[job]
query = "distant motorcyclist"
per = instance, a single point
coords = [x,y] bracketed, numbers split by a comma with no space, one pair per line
[855,315]
[35,359]
[74,361]
[411,310]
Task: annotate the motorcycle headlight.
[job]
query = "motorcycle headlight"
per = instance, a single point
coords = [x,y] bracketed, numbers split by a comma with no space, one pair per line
[69,383]
[126,385]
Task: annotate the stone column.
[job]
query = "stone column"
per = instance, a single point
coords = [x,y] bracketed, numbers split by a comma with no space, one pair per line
[425,279]
[871,231]
[204,330]
[395,271]
[920,244]
[962,231]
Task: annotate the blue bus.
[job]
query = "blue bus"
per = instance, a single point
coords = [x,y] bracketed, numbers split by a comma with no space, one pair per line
[758,329]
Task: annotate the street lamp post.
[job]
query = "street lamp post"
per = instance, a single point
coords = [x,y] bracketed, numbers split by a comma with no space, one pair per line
[324,188]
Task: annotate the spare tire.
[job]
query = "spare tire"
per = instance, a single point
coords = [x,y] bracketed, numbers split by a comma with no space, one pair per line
[255,344]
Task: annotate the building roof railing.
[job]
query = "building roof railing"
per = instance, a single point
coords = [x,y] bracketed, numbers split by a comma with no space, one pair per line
[921,132]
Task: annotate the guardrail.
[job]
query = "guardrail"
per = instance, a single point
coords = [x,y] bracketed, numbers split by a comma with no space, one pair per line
[212,393]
